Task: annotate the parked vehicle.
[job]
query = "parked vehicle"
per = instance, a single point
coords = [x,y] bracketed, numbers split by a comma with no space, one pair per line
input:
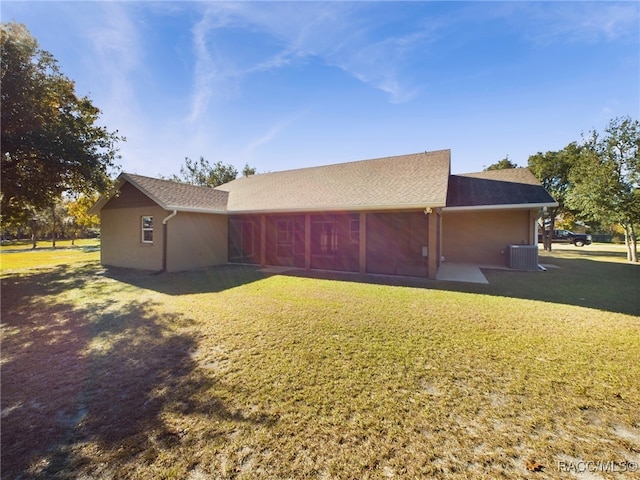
[566,236]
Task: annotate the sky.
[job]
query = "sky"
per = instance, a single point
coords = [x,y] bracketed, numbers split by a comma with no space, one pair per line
[281,85]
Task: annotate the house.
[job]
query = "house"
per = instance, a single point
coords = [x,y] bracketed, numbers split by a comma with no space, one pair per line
[396,215]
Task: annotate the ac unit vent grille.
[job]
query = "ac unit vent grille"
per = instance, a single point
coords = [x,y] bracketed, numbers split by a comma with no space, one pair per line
[523,257]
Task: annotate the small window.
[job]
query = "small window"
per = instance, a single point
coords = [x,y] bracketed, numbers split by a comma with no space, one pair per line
[147,229]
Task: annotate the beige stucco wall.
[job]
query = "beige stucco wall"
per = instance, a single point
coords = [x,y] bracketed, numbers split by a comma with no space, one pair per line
[196,240]
[121,237]
[482,236]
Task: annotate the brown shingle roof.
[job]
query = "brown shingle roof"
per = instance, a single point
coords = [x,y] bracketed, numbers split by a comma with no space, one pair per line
[417,180]
[183,197]
[515,187]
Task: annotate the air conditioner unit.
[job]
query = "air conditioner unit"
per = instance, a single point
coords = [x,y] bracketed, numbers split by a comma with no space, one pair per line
[523,257]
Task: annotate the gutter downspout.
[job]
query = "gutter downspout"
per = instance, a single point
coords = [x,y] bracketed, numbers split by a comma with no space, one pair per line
[164,238]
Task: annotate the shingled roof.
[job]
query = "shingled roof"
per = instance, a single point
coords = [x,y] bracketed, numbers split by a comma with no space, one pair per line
[419,180]
[515,187]
[172,195]
[409,181]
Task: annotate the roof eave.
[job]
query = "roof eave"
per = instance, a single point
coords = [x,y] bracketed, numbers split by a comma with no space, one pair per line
[196,210]
[334,209]
[512,206]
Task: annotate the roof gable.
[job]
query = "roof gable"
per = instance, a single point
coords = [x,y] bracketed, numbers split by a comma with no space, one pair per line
[171,195]
[407,181]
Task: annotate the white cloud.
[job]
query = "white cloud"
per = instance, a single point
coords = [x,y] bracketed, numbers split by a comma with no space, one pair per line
[116,44]
[584,22]
[336,33]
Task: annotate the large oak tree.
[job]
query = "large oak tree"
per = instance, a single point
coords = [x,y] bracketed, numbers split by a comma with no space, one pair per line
[606,179]
[51,143]
[553,170]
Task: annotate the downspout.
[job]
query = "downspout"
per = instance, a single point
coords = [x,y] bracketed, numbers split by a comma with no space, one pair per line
[164,238]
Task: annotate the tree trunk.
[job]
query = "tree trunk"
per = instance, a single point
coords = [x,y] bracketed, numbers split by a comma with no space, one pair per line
[53,226]
[627,242]
[548,235]
[634,244]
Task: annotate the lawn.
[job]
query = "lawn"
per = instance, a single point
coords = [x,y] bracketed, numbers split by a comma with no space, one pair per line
[233,373]
[44,255]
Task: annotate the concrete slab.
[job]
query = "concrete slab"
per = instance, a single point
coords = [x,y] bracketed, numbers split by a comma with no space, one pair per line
[461,272]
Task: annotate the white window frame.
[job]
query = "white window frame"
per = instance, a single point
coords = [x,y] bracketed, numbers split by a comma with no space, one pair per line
[146,229]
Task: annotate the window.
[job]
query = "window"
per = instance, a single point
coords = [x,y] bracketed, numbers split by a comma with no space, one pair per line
[325,241]
[285,232]
[284,247]
[354,232]
[241,239]
[147,229]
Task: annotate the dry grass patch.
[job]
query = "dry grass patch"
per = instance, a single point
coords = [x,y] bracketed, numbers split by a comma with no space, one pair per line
[251,376]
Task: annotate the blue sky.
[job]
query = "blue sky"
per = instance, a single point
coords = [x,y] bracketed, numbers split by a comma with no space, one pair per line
[285,85]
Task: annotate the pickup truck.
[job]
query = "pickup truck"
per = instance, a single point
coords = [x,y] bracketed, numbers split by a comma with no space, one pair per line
[566,236]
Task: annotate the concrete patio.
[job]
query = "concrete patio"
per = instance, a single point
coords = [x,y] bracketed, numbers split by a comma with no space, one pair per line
[461,272]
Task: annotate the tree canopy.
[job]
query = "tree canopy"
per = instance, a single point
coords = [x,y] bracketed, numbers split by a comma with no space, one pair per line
[596,180]
[203,174]
[50,141]
[503,164]
[553,170]
[607,176]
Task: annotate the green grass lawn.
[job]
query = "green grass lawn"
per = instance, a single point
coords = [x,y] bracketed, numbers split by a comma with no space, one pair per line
[20,255]
[231,373]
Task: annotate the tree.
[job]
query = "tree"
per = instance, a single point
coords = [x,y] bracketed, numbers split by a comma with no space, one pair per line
[553,170]
[203,174]
[50,141]
[78,211]
[503,164]
[247,171]
[607,176]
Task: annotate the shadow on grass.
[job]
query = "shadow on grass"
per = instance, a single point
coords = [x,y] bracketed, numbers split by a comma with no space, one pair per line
[607,286]
[104,371]
[579,280]
[208,280]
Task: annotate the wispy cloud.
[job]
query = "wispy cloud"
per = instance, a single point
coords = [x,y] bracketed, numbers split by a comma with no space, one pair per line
[578,22]
[116,44]
[272,133]
[335,33]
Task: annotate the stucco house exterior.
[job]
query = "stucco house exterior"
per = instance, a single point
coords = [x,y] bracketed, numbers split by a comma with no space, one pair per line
[396,215]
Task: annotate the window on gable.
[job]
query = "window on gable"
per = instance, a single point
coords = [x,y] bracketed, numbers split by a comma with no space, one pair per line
[147,229]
